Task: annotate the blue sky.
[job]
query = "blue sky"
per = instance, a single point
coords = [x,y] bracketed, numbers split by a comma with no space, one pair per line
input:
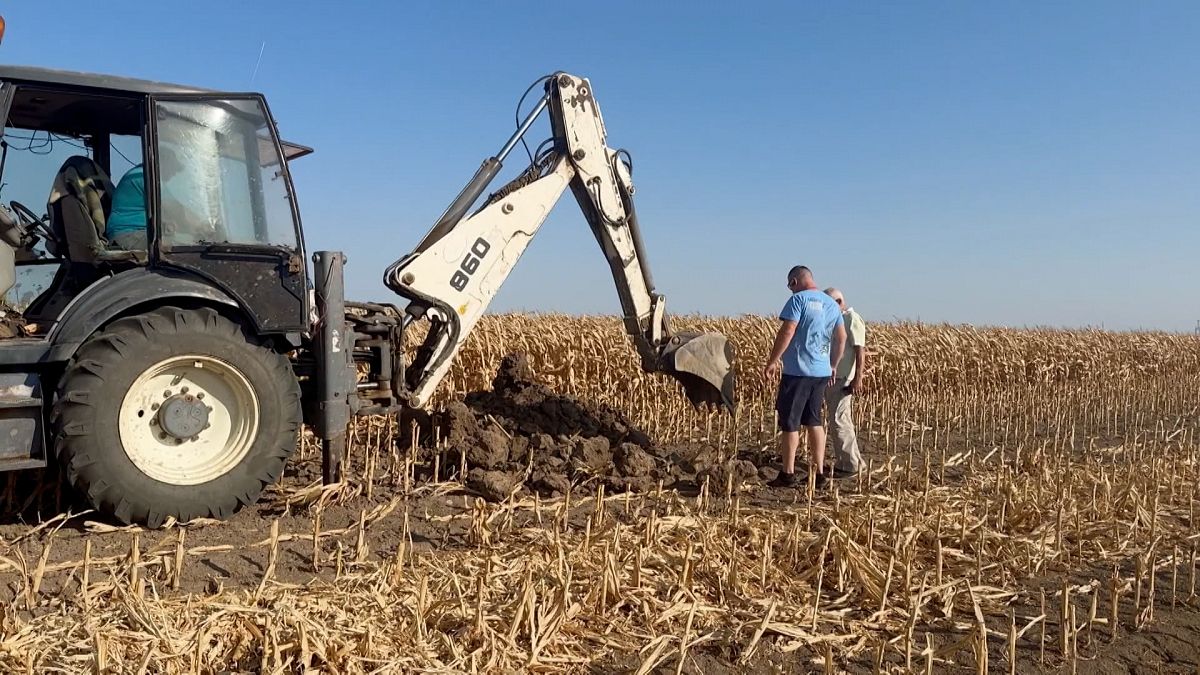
[992,163]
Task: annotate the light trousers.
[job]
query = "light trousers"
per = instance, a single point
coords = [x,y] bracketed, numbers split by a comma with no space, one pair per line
[841,428]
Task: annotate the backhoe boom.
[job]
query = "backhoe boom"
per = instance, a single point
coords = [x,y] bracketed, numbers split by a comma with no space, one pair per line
[458,267]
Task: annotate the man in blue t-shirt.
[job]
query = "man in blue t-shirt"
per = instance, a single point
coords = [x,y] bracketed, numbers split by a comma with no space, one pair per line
[809,343]
[126,225]
[127,221]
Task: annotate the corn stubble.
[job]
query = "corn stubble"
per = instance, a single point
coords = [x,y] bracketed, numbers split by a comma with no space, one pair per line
[1031,495]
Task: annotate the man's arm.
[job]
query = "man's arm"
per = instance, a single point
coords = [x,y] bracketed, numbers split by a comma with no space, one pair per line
[783,337]
[838,347]
[183,225]
[859,337]
[860,367]
[789,318]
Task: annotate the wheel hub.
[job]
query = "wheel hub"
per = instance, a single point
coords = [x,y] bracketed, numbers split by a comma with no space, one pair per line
[183,416]
[189,419]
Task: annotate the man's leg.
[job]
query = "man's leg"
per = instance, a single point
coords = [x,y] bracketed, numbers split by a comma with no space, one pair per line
[816,443]
[131,241]
[832,399]
[846,438]
[789,442]
[814,428]
[789,436]
[841,430]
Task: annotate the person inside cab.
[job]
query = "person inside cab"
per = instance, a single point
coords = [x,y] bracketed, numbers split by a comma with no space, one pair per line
[126,226]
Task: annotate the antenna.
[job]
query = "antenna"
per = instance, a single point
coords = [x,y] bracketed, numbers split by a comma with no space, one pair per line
[258,62]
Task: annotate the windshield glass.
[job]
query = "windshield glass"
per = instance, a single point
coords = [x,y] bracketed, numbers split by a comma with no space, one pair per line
[222,180]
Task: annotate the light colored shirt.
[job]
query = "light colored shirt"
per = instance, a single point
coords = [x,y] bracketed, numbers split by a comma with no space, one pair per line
[856,336]
[816,316]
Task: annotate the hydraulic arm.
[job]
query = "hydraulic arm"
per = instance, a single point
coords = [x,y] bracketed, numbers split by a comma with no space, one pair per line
[454,272]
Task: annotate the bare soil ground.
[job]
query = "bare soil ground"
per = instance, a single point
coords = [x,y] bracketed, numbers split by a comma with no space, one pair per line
[521,439]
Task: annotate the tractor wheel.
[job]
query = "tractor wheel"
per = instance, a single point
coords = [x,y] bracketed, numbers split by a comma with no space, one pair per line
[175,413]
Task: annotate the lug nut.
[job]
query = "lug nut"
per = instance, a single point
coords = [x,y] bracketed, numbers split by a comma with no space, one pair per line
[183,391]
[167,394]
[154,406]
[200,395]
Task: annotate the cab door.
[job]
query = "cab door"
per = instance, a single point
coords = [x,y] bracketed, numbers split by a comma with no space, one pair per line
[222,203]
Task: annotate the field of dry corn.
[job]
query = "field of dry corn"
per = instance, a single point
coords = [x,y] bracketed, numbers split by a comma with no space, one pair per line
[1030,506]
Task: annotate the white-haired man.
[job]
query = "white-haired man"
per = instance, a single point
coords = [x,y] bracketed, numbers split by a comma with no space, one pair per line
[847,381]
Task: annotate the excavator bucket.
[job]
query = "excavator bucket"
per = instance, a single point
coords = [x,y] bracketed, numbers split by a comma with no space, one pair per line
[703,364]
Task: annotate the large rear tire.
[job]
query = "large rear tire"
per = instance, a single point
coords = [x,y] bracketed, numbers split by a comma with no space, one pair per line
[175,413]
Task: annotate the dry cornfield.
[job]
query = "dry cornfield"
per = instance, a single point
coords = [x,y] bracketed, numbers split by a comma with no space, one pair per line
[1030,505]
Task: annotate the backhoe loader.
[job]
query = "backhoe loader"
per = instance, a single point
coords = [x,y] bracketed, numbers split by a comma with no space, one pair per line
[169,373]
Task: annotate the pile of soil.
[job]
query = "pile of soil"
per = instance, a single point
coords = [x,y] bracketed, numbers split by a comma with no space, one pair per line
[521,436]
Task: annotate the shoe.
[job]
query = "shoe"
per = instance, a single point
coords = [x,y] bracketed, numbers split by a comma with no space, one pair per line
[820,481]
[842,473]
[783,480]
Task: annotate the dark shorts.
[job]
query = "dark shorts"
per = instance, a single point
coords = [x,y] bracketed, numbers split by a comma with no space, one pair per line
[799,401]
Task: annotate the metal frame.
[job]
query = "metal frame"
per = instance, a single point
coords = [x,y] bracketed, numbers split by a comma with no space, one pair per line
[334,347]
[154,201]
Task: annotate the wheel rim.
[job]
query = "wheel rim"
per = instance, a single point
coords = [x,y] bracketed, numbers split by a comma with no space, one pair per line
[230,411]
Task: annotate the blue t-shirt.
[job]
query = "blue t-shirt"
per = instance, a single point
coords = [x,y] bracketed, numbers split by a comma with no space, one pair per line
[128,205]
[816,316]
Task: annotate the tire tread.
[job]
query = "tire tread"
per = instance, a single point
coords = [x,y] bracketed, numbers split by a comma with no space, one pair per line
[103,356]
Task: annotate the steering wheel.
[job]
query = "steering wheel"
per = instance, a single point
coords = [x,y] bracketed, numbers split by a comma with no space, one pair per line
[30,220]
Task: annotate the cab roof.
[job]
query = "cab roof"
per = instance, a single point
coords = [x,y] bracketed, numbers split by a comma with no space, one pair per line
[31,74]
[117,84]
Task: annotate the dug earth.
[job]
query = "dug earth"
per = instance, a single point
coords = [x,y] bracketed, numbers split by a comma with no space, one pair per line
[523,437]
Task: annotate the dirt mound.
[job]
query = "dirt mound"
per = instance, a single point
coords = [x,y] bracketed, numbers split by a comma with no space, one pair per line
[522,435]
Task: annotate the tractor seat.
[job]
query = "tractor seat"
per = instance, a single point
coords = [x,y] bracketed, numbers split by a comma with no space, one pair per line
[79,205]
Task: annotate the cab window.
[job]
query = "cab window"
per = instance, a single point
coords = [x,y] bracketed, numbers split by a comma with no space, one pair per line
[221,179]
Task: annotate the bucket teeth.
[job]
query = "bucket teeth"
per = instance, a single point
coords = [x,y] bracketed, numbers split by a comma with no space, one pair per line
[703,364]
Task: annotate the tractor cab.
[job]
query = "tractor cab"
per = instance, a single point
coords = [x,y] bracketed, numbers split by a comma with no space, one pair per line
[103,176]
[151,267]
